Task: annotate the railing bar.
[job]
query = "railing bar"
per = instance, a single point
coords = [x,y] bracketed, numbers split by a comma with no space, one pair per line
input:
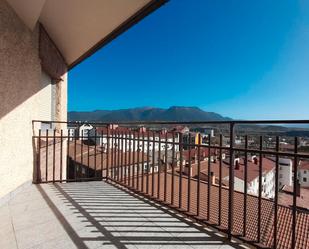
[107,153]
[231,183]
[165,168]
[276,195]
[148,157]
[209,179]
[159,167]
[88,156]
[266,152]
[143,160]
[129,159]
[245,188]
[122,157]
[198,200]
[220,181]
[46,151]
[133,169]
[295,183]
[118,156]
[180,170]
[138,160]
[112,154]
[54,155]
[39,159]
[173,169]
[102,148]
[284,121]
[95,152]
[189,177]
[61,144]
[115,155]
[153,163]
[115,168]
[75,168]
[125,158]
[68,155]
[260,190]
[81,152]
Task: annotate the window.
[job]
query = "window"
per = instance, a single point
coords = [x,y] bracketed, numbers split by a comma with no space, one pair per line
[280,176]
[305,171]
[305,179]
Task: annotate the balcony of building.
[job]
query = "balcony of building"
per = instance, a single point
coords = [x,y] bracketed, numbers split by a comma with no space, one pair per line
[147,184]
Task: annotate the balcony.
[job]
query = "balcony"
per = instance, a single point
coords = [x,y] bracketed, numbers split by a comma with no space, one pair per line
[156,185]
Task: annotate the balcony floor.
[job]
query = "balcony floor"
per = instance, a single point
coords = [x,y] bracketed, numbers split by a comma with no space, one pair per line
[97,215]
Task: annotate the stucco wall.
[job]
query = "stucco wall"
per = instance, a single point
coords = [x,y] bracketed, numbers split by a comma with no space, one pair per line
[22,98]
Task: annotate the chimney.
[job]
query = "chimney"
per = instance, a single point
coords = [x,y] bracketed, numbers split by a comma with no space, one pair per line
[236,163]
[297,190]
[212,178]
[254,160]
[186,170]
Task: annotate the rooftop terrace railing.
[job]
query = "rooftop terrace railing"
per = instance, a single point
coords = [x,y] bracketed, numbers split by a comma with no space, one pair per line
[230,175]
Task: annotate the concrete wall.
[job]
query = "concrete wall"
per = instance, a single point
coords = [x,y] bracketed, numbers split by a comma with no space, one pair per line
[22,95]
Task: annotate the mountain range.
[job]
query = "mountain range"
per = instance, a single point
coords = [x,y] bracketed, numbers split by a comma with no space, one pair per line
[174,113]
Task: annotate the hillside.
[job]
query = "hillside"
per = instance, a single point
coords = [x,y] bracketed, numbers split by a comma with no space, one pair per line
[174,113]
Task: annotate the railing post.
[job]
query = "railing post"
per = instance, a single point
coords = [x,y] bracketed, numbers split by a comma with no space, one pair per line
[198,176]
[189,176]
[46,153]
[107,153]
[38,175]
[276,194]
[61,145]
[220,180]
[295,163]
[180,170]
[95,152]
[245,187]
[209,179]
[231,182]
[260,190]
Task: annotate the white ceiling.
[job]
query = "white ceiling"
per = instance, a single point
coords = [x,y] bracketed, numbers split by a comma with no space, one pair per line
[76,25]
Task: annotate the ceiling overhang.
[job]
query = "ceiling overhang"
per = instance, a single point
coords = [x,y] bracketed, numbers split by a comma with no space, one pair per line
[80,27]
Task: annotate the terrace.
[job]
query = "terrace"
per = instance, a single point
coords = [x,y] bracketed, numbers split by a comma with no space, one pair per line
[97,214]
[134,169]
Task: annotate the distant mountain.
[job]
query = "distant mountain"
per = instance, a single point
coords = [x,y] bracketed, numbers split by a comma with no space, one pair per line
[174,113]
[89,116]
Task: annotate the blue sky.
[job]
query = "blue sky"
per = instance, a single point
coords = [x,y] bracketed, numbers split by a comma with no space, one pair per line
[242,59]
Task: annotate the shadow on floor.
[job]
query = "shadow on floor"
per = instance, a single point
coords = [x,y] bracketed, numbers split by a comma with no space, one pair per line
[99,214]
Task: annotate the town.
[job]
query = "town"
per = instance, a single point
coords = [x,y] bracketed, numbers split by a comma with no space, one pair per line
[157,150]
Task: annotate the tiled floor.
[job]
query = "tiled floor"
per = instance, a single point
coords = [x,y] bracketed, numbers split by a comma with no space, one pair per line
[96,215]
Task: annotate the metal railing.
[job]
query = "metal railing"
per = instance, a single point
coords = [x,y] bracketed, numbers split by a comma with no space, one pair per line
[187,170]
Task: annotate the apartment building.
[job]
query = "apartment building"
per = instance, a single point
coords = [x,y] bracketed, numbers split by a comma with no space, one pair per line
[41,41]
[303,173]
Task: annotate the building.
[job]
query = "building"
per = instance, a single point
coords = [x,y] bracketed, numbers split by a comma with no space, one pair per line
[268,174]
[303,173]
[285,172]
[84,131]
[128,139]
[40,42]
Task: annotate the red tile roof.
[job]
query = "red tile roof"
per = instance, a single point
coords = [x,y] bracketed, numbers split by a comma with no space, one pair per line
[286,197]
[284,224]
[253,169]
[304,164]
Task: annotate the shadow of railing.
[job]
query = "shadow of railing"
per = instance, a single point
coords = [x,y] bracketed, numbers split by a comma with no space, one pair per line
[109,215]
